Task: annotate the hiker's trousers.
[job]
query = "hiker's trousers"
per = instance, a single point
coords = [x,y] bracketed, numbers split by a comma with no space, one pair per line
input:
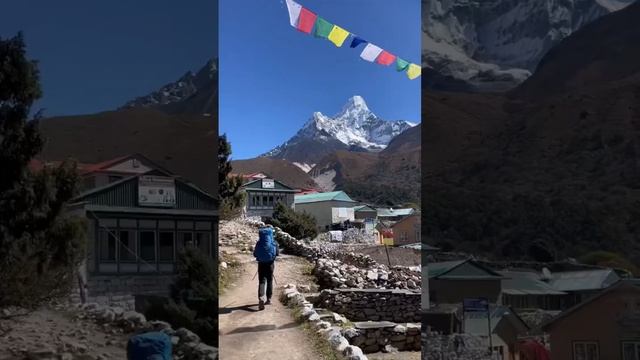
[265,280]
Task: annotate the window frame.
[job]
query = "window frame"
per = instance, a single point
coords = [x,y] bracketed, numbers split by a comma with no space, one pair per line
[637,348]
[155,246]
[585,342]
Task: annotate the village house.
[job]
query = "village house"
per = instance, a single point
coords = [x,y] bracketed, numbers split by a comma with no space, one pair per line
[394,214]
[582,284]
[526,289]
[407,230]
[328,208]
[366,217]
[603,327]
[139,217]
[450,282]
[263,194]
[505,326]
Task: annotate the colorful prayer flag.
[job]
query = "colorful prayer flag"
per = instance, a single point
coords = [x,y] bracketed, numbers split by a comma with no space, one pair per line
[294,12]
[357,41]
[323,28]
[338,35]
[370,52]
[401,65]
[306,20]
[413,71]
[385,58]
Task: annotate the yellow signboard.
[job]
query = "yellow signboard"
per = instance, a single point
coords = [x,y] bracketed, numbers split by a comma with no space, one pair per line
[387,241]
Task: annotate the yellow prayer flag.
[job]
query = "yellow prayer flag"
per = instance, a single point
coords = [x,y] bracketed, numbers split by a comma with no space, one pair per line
[413,71]
[338,35]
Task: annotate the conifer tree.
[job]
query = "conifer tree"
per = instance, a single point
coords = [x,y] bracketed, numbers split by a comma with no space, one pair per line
[39,247]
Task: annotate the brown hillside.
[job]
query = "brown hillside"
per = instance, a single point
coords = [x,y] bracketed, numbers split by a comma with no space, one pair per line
[541,177]
[184,144]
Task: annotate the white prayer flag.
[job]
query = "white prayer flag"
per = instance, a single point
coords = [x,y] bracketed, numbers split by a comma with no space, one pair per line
[294,12]
[370,52]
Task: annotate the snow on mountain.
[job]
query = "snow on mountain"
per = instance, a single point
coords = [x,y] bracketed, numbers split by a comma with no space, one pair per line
[497,44]
[185,87]
[355,127]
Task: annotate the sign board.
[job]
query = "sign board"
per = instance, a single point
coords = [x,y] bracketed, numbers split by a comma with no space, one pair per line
[156,191]
[268,184]
[475,305]
[336,236]
[387,237]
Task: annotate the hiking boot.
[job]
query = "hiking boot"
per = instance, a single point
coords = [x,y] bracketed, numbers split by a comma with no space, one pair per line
[261,305]
[268,302]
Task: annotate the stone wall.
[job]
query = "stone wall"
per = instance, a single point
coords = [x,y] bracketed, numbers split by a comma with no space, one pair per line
[454,347]
[121,290]
[376,336]
[400,306]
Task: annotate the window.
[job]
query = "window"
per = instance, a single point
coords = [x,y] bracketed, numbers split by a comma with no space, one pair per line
[631,350]
[586,350]
[148,245]
[185,239]
[128,251]
[203,239]
[107,245]
[165,246]
[270,200]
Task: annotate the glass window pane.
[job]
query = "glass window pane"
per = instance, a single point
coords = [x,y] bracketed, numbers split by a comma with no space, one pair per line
[184,239]
[579,352]
[203,240]
[592,352]
[629,351]
[128,249]
[148,246]
[107,246]
[165,240]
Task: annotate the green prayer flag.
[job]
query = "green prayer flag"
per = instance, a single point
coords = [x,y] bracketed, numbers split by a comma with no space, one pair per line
[323,28]
[401,65]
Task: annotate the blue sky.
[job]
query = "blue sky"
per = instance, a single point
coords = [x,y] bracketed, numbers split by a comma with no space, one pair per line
[96,55]
[273,77]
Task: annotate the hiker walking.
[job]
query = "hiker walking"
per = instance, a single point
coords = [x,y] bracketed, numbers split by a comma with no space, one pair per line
[265,253]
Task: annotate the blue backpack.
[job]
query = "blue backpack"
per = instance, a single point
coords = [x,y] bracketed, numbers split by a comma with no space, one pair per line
[265,250]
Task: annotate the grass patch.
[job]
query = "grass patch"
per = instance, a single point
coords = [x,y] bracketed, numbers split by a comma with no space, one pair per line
[307,269]
[320,345]
[228,275]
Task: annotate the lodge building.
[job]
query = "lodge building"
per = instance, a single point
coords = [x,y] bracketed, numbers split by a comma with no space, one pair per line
[139,217]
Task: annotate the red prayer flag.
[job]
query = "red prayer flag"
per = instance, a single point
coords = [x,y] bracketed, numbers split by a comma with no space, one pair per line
[385,58]
[306,20]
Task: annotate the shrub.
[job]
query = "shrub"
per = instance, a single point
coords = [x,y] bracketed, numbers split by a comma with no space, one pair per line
[299,225]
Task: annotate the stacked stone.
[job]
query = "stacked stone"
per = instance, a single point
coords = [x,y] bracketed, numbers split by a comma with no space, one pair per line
[454,347]
[186,344]
[371,304]
[376,336]
[333,334]
[333,274]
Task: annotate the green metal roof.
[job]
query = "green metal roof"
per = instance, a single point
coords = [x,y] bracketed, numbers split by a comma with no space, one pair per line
[583,280]
[363,207]
[395,212]
[461,270]
[526,283]
[326,196]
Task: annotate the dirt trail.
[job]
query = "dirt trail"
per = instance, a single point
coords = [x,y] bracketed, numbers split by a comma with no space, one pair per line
[272,334]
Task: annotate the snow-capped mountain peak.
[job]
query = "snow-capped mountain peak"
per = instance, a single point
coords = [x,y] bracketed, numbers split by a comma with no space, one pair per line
[355,127]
